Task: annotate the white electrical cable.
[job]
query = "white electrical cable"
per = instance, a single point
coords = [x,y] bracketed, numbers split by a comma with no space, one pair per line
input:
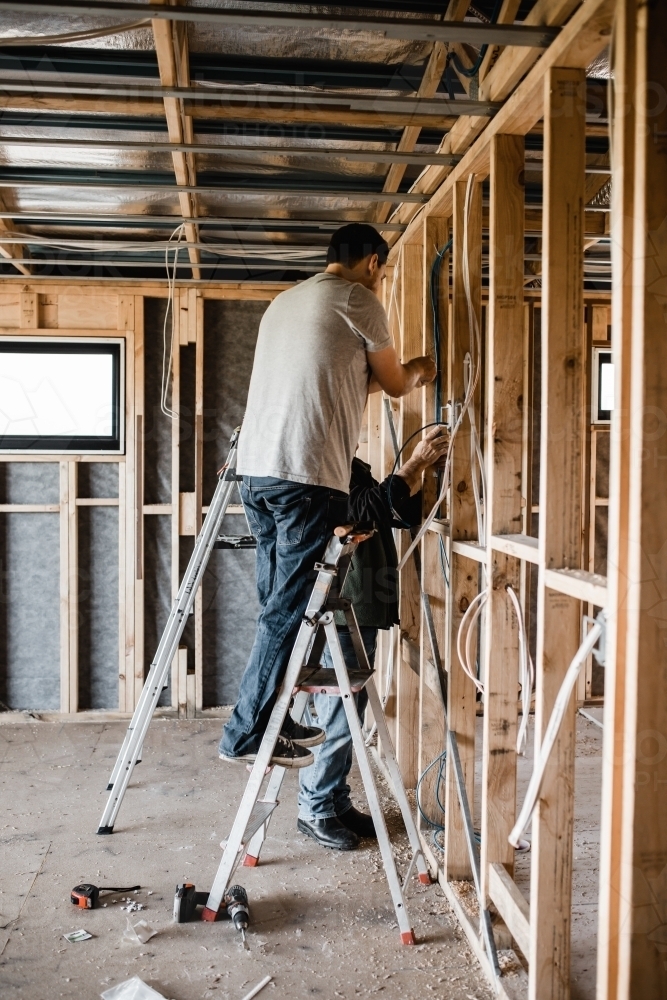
[551,734]
[475,353]
[526,673]
[471,615]
[268,252]
[178,234]
[476,457]
[393,295]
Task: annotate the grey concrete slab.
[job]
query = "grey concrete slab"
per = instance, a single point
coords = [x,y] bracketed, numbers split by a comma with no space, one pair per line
[322,921]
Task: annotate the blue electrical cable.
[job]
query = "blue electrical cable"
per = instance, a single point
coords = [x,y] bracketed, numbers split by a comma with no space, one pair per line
[435,301]
[474,69]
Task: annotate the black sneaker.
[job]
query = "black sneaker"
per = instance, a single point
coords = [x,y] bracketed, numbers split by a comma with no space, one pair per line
[285,754]
[303,736]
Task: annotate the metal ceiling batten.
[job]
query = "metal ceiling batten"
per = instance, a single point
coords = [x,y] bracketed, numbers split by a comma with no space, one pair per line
[415,199]
[359,156]
[305,107]
[149,221]
[413,29]
[254,96]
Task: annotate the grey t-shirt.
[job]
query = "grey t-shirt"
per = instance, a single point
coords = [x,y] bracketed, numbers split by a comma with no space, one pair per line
[310,381]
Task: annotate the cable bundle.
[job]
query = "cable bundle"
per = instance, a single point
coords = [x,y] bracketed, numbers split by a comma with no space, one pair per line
[472,613]
[475,354]
[552,730]
[526,673]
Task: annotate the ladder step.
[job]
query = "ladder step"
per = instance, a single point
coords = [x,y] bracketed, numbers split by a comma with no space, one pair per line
[259,815]
[235,542]
[323,681]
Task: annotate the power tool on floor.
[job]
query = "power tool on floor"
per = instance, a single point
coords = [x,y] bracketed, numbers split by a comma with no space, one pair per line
[234,906]
[87,896]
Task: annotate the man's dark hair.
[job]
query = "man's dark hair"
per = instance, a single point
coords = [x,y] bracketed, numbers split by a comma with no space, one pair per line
[352,243]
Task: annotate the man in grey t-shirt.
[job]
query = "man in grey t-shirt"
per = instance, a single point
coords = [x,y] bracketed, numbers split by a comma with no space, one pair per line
[322,346]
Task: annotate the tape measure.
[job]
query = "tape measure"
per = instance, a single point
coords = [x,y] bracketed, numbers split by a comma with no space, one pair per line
[86,896]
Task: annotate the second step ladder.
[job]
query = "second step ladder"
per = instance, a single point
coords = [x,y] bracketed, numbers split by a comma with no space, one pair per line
[305,675]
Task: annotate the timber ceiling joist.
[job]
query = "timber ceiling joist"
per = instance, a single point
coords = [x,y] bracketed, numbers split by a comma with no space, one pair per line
[266,122]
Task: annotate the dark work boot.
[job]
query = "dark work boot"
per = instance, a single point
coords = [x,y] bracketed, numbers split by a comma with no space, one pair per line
[329,833]
[359,823]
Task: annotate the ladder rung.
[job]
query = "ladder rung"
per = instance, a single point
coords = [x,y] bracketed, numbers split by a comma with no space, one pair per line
[235,542]
[323,681]
[259,815]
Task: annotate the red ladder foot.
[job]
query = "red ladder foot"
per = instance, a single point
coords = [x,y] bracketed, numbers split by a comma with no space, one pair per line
[425,878]
[408,937]
[249,861]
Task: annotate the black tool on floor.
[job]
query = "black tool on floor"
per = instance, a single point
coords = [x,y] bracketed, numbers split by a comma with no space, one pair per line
[236,899]
[234,906]
[87,896]
[186,901]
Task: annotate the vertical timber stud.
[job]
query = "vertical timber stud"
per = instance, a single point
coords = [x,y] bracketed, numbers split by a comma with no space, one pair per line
[175,484]
[197,327]
[126,507]
[64,590]
[464,573]
[73,595]
[431,715]
[505,374]
[135,466]
[622,220]
[407,680]
[642,961]
[392,300]
[561,470]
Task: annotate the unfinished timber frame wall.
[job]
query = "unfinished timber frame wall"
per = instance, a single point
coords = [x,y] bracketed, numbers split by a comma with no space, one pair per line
[567,533]
[93,546]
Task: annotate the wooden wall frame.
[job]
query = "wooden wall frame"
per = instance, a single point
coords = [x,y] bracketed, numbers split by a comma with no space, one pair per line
[51,307]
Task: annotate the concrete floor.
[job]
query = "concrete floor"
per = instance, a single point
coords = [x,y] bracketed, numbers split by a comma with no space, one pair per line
[322,921]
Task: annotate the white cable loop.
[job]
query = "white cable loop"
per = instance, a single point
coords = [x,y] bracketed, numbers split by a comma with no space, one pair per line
[551,734]
[526,673]
[471,615]
[475,353]
[179,234]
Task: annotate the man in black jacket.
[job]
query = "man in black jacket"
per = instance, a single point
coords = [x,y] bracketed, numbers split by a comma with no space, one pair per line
[325,811]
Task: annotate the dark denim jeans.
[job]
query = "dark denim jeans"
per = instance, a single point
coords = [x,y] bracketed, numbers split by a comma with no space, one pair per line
[324,791]
[292,523]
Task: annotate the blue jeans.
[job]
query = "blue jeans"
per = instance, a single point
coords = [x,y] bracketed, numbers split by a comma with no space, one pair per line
[324,791]
[292,523]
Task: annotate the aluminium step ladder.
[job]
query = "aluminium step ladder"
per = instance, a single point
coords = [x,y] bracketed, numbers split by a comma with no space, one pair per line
[208,539]
[304,675]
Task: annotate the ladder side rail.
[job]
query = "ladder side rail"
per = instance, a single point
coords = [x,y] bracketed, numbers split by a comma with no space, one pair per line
[339,558]
[395,889]
[231,854]
[133,742]
[306,636]
[390,757]
[253,850]
[175,625]
[397,780]
[220,500]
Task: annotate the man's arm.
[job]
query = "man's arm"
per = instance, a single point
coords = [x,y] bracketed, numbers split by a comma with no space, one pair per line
[395,378]
[430,451]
